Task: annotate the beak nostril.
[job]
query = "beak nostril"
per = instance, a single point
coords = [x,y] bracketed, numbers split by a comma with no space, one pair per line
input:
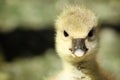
[76,47]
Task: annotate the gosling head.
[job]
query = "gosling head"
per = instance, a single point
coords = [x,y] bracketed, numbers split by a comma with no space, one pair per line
[76,34]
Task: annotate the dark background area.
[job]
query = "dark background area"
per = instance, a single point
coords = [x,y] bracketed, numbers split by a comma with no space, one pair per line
[26,43]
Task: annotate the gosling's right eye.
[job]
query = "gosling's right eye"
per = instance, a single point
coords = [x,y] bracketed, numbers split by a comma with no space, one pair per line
[91,35]
[65,34]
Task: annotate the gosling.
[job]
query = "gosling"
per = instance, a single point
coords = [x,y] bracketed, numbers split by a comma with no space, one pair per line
[77,45]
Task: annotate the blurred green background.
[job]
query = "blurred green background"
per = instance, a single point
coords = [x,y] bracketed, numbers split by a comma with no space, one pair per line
[27,37]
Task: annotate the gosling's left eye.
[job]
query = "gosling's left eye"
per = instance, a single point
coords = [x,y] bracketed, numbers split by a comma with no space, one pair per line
[91,34]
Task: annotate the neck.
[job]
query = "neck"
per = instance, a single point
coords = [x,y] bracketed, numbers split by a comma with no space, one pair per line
[86,69]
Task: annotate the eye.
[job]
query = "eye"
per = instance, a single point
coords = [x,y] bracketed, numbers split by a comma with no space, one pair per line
[91,35]
[66,34]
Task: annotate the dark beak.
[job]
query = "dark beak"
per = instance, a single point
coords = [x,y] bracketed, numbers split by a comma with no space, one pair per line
[78,43]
